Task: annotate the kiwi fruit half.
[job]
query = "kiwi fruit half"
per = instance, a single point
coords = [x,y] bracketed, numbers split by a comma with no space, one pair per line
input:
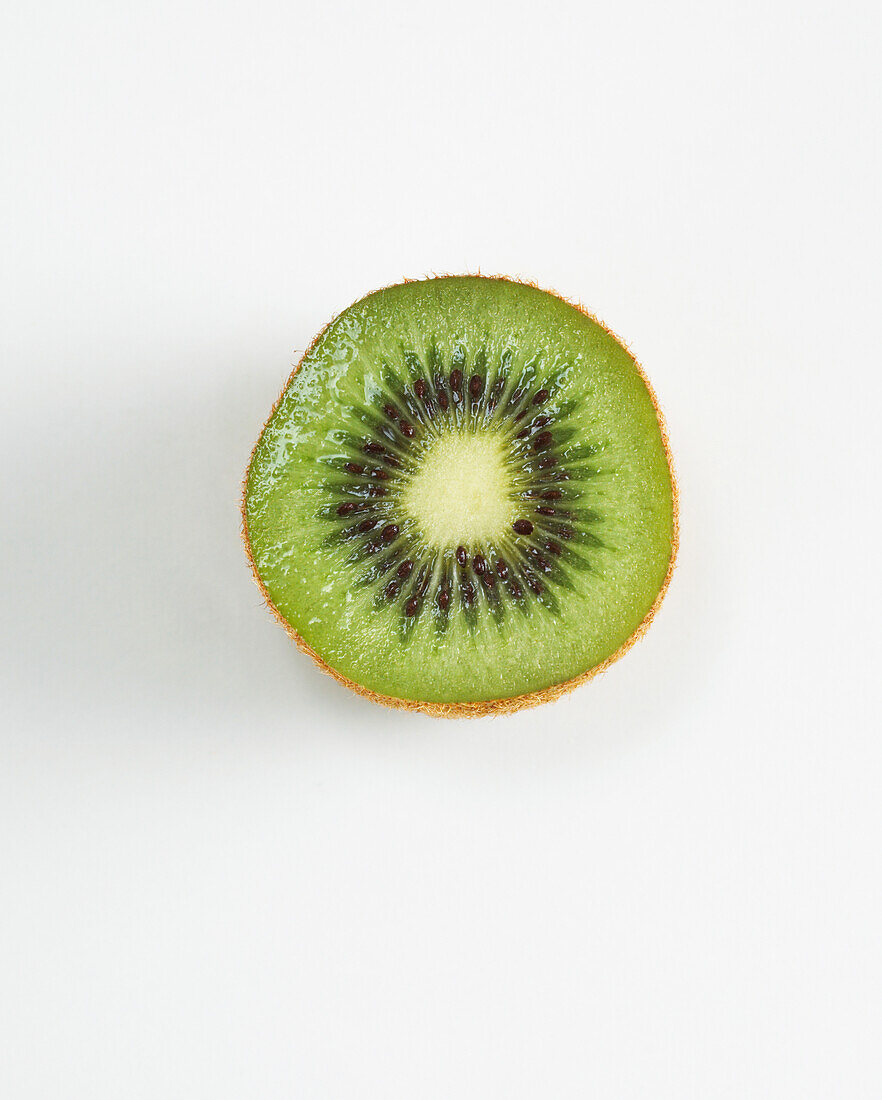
[462,502]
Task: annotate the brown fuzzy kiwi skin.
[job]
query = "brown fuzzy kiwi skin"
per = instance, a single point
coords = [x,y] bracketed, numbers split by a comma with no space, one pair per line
[479,708]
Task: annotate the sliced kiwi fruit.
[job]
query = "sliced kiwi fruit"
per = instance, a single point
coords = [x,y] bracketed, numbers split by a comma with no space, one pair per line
[462,502]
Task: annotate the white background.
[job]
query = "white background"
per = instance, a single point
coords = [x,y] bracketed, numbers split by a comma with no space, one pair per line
[222,875]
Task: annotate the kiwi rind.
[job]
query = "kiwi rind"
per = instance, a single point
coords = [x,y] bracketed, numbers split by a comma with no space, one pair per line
[511,704]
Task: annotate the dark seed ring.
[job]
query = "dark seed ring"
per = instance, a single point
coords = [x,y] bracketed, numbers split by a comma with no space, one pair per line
[392,436]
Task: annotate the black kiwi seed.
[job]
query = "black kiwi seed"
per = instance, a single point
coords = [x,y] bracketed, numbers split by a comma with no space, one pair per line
[541,563]
[479,565]
[540,397]
[523,527]
[456,380]
[379,474]
[389,532]
[542,440]
[476,385]
[347,509]
[376,491]
[461,555]
[515,589]
[367,525]
[411,607]
[354,468]
[419,388]
[547,461]
[541,421]
[389,410]
[488,578]
[443,400]
[552,494]
[407,429]
[444,598]
[468,591]
[554,548]
[392,589]
[543,511]
[501,568]
[565,532]
[405,569]
[373,448]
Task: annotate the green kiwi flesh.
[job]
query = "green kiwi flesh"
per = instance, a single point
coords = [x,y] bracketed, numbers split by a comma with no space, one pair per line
[463,496]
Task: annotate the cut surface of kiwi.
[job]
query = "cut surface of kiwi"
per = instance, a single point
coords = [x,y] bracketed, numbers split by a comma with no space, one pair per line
[463,502]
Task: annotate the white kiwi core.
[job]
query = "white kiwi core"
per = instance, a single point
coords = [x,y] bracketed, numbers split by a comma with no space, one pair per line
[463,491]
